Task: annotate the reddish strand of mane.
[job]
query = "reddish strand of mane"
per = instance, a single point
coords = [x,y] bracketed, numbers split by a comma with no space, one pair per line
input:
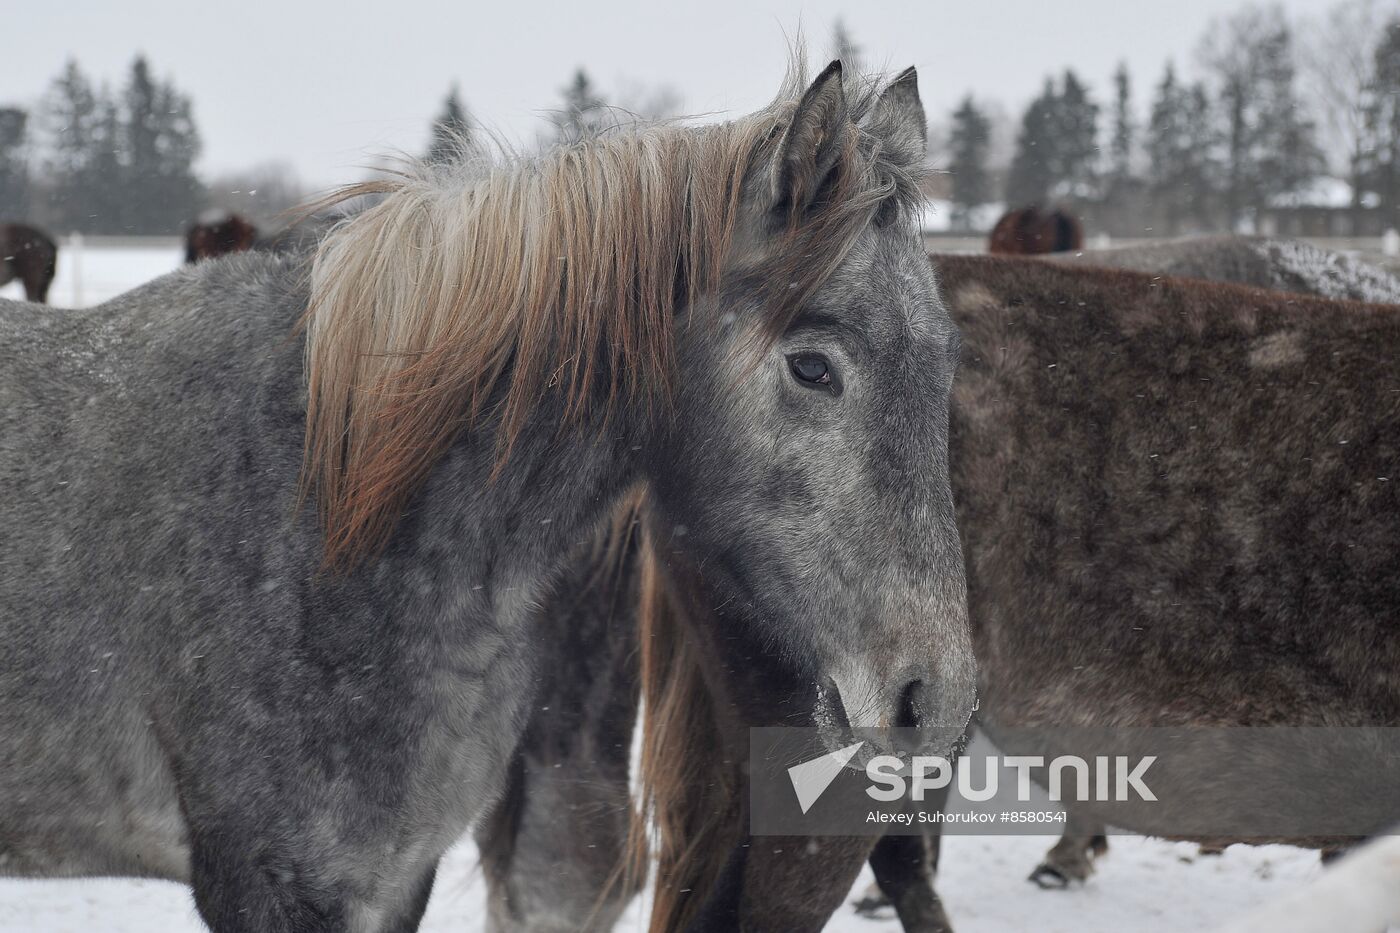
[453,304]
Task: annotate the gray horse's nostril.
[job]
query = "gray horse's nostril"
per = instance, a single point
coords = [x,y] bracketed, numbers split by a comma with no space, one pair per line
[909,710]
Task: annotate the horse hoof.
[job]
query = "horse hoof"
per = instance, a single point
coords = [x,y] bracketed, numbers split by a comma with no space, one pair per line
[873,905]
[1048,877]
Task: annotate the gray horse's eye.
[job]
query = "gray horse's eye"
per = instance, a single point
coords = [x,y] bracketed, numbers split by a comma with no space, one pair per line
[811,368]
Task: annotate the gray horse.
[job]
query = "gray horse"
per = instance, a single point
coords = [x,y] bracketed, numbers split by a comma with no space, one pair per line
[798,883]
[1265,262]
[275,535]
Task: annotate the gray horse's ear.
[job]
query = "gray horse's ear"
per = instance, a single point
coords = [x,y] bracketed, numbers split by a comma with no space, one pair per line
[897,120]
[813,145]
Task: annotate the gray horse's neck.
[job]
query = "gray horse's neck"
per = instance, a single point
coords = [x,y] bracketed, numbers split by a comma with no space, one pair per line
[502,540]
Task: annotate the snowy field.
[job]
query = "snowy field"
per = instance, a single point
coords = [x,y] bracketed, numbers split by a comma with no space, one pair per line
[97,271]
[1142,885]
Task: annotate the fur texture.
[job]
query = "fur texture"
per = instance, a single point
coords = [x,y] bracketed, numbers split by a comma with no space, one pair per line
[298,709]
[1285,265]
[1134,458]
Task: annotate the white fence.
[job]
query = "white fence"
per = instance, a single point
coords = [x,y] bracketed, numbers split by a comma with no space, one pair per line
[92,269]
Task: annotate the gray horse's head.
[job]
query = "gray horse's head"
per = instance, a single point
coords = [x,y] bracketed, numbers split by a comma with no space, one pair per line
[806,473]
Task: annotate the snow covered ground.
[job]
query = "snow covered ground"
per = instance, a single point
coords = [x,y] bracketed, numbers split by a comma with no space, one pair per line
[1142,885]
[96,271]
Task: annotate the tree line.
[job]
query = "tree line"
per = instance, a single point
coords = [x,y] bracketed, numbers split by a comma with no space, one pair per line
[113,161]
[97,160]
[1261,116]
[1213,148]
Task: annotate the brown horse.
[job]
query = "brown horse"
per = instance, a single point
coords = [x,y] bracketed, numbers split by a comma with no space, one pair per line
[1031,231]
[217,233]
[30,255]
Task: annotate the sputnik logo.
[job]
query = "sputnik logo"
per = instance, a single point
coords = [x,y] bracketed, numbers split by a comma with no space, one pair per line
[811,778]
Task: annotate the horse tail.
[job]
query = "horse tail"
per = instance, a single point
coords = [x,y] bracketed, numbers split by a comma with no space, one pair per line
[690,813]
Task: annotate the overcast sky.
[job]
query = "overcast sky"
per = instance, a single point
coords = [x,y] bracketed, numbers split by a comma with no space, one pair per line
[327,85]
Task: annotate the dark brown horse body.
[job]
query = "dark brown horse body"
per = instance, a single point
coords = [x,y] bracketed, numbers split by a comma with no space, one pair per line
[218,233]
[1032,231]
[1161,525]
[1175,501]
[30,255]
[1160,522]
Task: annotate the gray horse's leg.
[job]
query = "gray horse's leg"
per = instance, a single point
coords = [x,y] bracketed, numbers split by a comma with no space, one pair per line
[1072,858]
[553,848]
[410,916]
[551,858]
[788,883]
[904,868]
[242,885]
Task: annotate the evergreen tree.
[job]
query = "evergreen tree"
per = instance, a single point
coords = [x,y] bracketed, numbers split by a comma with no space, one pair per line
[1076,120]
[969,142]
[1034,163]
[1057,150]
[584,112]
[1180,151]
[844,47]
[109,204]
[1124,129]
[140,130]
[14,164]
[450,132]
[71,115]
[160,147]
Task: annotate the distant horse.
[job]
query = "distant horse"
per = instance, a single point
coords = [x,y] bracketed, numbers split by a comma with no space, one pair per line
[1035,622]
[30,255]
[1031,230]
[275,536]
[217,233]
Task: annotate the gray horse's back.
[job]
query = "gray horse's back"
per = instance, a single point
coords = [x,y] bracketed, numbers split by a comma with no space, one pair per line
[107,424]
[1281,264]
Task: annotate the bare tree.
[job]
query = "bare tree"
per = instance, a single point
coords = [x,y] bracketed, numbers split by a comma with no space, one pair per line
[647,101]
[1338,59]
[1270,143]
[266,194]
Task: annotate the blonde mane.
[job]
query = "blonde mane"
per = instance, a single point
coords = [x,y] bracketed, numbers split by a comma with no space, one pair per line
[474,292]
